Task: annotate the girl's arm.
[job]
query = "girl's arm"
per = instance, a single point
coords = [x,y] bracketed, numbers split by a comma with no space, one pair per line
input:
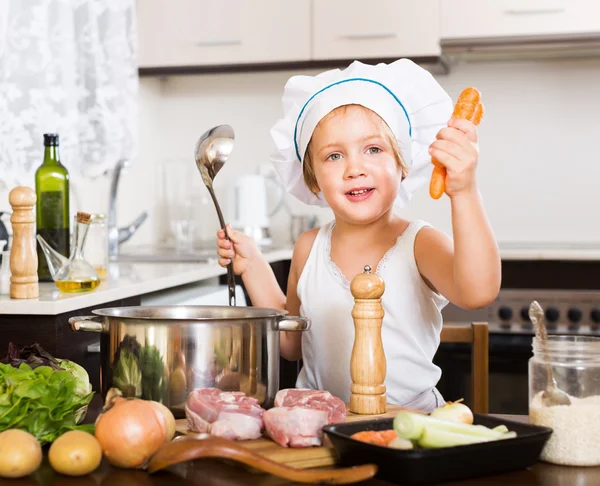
[291,342]
[468,271]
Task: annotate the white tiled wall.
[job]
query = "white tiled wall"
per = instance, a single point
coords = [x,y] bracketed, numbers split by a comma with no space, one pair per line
[539,166]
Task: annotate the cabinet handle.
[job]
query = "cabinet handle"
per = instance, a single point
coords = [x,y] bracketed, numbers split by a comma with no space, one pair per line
[535,11]
[391,35]
[93,348]
[222,43]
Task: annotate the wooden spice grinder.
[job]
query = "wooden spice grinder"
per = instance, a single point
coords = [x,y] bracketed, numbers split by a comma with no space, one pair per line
[23,255]
[367,362]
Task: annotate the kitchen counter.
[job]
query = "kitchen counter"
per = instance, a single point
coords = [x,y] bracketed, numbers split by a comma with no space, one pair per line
[207,472]
[126,279]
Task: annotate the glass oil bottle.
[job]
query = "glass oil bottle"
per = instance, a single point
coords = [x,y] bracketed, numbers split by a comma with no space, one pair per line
[74,274]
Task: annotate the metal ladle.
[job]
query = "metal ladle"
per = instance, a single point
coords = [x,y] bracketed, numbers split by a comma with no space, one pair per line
[552,395]
[212,150]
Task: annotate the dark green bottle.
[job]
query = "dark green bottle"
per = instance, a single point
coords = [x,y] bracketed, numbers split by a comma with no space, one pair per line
[52,207]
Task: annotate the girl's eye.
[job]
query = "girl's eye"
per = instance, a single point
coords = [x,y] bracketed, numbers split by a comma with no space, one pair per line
[373,150]
[334,157]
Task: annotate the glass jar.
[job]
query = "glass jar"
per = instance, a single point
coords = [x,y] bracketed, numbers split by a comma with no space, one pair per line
[95,250]
[575,363]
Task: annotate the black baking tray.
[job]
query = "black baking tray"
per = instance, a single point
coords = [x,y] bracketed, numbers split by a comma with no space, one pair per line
[426,466]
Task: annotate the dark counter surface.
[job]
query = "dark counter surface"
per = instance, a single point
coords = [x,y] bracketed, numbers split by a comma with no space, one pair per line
[221,473]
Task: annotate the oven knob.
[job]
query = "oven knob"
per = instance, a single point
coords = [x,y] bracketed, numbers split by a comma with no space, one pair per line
[525,313]
[574,315]
[595,315]
[552,314]
[505,313]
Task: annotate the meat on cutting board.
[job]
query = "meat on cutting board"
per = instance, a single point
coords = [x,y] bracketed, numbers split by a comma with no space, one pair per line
[313,399]
[227,414]
[295,426]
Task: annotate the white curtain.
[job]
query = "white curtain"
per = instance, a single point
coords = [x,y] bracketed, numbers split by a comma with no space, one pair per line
[69,67]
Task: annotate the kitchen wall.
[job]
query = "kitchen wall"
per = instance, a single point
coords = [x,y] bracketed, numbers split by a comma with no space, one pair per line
[538,167]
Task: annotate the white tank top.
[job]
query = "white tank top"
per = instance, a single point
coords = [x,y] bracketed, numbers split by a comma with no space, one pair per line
[411,325]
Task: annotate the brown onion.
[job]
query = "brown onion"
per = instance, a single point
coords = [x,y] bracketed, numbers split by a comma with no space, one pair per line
[169,418]
[130,432]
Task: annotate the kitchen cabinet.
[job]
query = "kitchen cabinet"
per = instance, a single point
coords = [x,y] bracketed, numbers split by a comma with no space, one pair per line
[465,19]
[222,32]
[352,29]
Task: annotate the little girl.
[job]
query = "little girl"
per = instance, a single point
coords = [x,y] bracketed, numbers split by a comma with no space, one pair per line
[361,142]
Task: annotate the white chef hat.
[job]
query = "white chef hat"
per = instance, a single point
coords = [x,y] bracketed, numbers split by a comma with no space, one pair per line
[404,95]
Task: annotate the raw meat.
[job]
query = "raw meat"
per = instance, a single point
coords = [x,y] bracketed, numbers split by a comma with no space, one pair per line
[295,426]
[236,426]
[313,399]
[205,406]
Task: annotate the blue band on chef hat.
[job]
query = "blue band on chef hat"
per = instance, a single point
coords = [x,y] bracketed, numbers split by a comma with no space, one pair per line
[335,84]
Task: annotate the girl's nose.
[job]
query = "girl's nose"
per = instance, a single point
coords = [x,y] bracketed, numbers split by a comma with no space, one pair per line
[355,167]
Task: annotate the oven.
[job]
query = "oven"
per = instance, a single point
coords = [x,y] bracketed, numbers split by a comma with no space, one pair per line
[569,293]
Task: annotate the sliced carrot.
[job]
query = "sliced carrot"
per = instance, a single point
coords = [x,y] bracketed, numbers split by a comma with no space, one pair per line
[377,437]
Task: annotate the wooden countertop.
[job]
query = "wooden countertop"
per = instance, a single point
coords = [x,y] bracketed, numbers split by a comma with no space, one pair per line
[216,473]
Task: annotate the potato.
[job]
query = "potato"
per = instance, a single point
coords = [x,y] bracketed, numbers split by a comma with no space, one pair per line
[20,453]
[75,453]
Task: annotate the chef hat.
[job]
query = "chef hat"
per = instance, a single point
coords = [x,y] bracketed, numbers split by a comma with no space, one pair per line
[404,95]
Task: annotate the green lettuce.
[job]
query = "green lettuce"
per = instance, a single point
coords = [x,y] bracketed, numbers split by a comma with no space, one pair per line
[84,387]
[41,401]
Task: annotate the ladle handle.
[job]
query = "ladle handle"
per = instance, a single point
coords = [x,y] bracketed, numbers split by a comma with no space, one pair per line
[230,274]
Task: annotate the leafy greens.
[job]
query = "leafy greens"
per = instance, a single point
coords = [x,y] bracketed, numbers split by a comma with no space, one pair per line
[42,401]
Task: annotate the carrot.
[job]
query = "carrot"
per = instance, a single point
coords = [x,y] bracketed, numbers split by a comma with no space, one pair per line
[469,107]
[377,437]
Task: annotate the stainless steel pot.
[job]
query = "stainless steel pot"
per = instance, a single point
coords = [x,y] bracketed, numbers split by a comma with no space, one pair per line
[163,353]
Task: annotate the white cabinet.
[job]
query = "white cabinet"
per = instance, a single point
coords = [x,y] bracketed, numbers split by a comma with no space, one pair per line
[464,19]
[221,32]
[350,29]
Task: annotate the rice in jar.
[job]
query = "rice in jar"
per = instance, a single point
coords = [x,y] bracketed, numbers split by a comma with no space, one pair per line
[575,363]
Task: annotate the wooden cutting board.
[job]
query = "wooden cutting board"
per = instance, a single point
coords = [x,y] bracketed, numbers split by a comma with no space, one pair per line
[298,457]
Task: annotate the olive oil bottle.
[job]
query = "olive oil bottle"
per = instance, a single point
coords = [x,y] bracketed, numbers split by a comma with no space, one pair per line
[52,209]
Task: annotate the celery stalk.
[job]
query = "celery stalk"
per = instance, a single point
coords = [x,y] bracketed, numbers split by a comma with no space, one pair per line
[433,438]
[410,426]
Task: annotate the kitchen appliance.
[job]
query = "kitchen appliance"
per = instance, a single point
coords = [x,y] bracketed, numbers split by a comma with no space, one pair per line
[568,291]
[250,202]
[162,353]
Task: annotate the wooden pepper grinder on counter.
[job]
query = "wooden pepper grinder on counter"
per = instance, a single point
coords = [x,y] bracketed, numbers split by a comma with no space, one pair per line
[367,362]
[23,254]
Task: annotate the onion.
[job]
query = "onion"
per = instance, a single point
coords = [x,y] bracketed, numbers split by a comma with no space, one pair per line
[454,412]
[130,432]
[169,419]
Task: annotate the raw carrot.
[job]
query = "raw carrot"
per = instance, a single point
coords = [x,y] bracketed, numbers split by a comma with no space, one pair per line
[469,107]
[377,437]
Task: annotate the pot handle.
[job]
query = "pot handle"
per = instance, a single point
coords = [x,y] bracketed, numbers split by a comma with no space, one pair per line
[86,323]
[293,323]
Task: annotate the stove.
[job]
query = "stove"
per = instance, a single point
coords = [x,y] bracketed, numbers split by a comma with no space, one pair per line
[566,311]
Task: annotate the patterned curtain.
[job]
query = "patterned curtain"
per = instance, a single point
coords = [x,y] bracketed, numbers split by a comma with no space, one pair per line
[70,67]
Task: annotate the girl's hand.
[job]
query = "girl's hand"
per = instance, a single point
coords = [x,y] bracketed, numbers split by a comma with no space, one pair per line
[240,249]
[457,150]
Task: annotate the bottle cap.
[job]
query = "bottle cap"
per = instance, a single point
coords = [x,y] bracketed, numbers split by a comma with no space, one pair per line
[50,139]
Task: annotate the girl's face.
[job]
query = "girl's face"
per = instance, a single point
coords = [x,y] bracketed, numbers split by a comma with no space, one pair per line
[354,164]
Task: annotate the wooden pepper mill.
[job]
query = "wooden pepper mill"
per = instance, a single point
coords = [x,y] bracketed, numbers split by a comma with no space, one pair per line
[23,254]
[367,362]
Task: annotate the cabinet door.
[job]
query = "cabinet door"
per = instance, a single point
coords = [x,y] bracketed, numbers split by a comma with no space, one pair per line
[463,19]
[221,32]
[350,29]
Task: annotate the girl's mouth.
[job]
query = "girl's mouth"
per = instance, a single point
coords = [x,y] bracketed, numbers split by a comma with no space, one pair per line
[359,194]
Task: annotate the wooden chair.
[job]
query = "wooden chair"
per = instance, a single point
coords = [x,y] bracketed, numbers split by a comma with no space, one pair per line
[478,335]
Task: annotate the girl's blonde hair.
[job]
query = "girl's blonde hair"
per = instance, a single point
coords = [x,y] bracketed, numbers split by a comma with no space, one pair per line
[308,171]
